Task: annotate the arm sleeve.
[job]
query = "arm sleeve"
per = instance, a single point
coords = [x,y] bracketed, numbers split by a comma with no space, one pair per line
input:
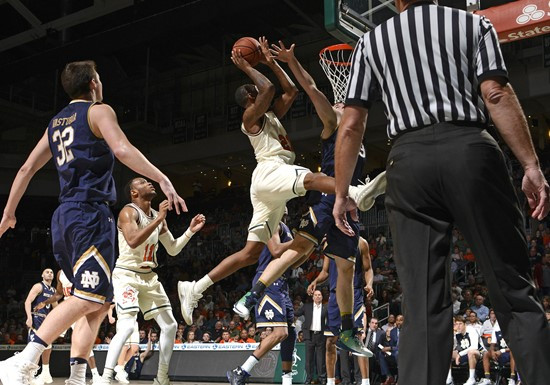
[174,246]
[489,60]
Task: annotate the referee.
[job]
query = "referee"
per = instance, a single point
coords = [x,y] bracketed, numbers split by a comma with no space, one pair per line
[443,78]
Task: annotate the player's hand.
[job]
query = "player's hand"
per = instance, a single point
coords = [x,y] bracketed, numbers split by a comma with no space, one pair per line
[149,334]
[267,57]
[8,222]
[341,205]
[112,319]
[163,209]
[29,323]
[280,52]
[369,291]
[41,305]
[311,288]
[457,360]
[174,200]
[536,189]
[238,60]
[197,223]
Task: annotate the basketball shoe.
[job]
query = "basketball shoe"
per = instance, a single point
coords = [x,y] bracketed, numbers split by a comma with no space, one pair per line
[365,195]
[17,371]
[188,299]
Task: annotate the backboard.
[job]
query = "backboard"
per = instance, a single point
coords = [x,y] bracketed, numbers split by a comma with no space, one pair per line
[348,20]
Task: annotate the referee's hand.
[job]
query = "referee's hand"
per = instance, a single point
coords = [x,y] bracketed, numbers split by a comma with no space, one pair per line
[536,189]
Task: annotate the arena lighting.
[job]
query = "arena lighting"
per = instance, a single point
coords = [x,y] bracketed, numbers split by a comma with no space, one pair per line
[229,183]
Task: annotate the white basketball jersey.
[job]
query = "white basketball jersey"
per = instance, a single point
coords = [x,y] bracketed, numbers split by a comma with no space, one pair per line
[145,255]
[271,142]
[67,285]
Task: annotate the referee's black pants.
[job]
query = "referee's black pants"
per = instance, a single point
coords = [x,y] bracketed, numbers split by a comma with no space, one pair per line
[315,355]
[439,176]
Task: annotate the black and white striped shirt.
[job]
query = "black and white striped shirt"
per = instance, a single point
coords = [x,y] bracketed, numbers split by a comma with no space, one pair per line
[429,62]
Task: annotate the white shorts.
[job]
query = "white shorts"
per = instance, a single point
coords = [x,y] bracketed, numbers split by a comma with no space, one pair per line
[273,184]
[139,291]
[134,337]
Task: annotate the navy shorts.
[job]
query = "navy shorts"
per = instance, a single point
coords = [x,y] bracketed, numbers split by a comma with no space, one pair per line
[318,222]
[275,307]
[334,320]
[504,358]
[83,236]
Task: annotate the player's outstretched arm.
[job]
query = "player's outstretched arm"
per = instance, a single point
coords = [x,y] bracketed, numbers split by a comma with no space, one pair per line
[174,246]
[105,125]
[320,102]
[283,103]
[266,91]
[36,160]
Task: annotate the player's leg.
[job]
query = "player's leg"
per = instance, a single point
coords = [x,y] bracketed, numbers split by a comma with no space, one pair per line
[168,327]
[125,325]
[473,356]
[45,375]
[486,368]
[287,355]
[96,377]
[82,340]
[513,376]
[331,358]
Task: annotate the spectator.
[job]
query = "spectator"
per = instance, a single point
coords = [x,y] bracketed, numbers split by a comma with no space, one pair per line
[244,338]
[143,337]
[481,310]
[467,302]
[233,330]
[226,337]
[300,337]
[191,338]
[217,332]
[488,327]
[206,338]
[473,321]
[252,334]
[390,324]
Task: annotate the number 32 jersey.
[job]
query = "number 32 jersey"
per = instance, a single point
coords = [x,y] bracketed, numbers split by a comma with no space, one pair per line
[145,255]
[84,162]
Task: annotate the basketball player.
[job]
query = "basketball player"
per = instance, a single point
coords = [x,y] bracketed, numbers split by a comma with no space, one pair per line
[274,310]
[319,222]
[136,285]
[40,292]
[130,348]
[84,137]
[274,181]
[64,290]
[363,275]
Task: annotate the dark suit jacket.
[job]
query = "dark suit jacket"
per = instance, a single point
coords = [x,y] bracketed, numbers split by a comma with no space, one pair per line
[307,312]
[378,334]
[394,340]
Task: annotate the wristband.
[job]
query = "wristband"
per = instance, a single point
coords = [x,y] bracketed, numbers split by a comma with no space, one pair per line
[188,233]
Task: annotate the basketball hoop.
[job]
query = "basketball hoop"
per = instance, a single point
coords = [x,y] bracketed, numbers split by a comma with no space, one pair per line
[336,62]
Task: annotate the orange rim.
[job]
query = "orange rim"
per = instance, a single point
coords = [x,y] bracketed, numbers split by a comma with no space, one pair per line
[335,47]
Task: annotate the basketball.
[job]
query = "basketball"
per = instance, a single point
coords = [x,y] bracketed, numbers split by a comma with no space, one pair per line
[250,49]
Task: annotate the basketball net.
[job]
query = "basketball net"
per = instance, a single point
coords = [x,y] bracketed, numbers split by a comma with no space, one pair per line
[336,62]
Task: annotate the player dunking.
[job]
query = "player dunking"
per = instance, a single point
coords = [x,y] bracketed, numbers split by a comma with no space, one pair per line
[136,285]
[84,137]
[64,290]
[40,292]
[275,179]
[274,310]
[319,222]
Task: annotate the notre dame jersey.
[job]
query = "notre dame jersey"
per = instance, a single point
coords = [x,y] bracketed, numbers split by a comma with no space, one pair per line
[145,255]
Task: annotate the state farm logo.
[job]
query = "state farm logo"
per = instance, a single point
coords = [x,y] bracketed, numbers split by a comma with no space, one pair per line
[530,12]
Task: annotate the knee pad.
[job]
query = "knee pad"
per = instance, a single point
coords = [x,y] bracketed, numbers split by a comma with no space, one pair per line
[287,346]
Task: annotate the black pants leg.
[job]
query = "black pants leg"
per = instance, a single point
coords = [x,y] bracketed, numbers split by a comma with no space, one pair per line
[320,351]
[440,175]
[345,366]
[310,359]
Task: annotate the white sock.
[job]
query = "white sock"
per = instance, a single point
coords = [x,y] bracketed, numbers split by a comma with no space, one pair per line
[78,372]
[119,368]
[202,284]
[450,375]
[331,381]
[287,378]
[94,372]
[472,373]
[249,364]
[46,369]
[32,352]
[365,381]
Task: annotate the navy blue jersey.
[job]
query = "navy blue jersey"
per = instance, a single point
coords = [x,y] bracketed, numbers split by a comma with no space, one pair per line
[46,293]
[332,275]
[83,161]
[327,160]
[265,257]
